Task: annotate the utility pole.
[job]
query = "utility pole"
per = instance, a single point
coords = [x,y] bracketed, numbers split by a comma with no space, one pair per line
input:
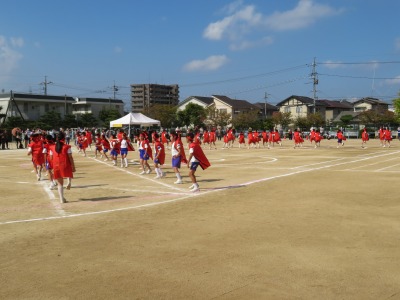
[45,83]
[314,76]
[115,89]
[265,104]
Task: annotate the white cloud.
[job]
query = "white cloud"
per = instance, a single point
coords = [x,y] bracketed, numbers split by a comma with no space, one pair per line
[17,42]
[117,49]
[211,63]
[242,45]
[394,81]
[233,26]
[244,22]
[9,57]
[304,14]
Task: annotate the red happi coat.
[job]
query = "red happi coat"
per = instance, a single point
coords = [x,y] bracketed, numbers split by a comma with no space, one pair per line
[160,151]
[182,150]
[206,137]
[62,167]
[149,152]
[37,152]
[241,138]
[200,156]
[213,136]
[364,136]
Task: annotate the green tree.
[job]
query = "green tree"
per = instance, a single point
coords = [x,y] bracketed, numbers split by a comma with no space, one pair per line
[246,120]
[193,114]
[346,120]
[69,121]
[12,122]
[87,120]
[396,104]
[283,119]
[165,113]
[370,117]
[316,120]
[302,122]
[108,115]
[50,120]
[218,118]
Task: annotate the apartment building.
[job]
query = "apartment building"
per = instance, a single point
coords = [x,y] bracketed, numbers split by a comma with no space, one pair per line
[143,96]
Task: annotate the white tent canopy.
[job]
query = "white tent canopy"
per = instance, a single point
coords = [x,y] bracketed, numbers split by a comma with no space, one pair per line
[134,119]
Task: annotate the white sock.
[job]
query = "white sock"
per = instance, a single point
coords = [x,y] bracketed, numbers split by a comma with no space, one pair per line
[158,172]
[178,175]
[61,192]
[126,161]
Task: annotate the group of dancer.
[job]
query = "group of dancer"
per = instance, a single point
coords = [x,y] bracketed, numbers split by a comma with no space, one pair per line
[54,156]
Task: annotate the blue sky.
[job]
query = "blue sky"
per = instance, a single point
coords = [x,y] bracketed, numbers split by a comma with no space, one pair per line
[241,49]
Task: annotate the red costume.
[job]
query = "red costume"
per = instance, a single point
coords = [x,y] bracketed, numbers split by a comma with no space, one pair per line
[199,155]
[62,167]
[206,137]
[364,135]
[241,138]
[37,151]
[160,151]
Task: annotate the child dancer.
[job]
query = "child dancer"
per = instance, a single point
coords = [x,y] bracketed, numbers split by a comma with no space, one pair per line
[159,156]
[35,148]
[196,158]
[145,154]
[63,164]
[178,155]
[364,138]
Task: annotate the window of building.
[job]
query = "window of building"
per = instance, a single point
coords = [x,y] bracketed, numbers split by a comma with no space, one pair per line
[286,109]
[299,109]
[223,110]
[46,107]
[26,106]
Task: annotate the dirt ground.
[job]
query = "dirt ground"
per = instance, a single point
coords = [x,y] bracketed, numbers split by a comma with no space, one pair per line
[277,223]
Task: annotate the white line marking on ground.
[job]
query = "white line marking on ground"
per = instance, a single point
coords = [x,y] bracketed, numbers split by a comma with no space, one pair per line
[57,206]
[194,194]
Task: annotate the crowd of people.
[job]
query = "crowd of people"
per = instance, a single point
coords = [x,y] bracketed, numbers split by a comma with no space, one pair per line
[51,151]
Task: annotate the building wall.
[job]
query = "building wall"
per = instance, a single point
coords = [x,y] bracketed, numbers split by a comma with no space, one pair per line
[222,107]
[145,95]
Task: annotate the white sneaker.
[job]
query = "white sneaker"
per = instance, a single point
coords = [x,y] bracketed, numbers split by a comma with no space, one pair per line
[148,171]
[141,173]
[178,182]
[195,189]
[52,186]
[157,177]
[192,186]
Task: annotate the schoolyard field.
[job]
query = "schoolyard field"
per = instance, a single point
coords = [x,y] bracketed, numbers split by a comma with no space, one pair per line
[277,223]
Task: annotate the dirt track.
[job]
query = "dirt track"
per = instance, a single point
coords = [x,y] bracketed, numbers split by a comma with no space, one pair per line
[282,223]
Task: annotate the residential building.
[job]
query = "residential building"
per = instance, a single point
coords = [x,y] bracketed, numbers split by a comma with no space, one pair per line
[222,104]
[202,101]
[369,103]
[334,108]
[301,106]
[267,110]
[233,107]
[143,96]
[31,107]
